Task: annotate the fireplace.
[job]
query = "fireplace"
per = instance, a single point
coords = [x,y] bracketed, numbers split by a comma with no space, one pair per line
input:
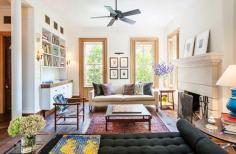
[197,75]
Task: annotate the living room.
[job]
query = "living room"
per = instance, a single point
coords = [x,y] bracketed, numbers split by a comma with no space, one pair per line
[120,70]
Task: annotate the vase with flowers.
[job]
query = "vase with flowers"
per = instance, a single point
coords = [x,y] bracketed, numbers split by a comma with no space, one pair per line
[162,70]
[26,127]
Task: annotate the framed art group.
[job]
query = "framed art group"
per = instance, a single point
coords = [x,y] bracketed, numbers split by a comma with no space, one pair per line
[121,63]
[198,46]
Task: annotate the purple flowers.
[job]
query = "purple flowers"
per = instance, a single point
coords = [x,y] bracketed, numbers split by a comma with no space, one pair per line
[163,69]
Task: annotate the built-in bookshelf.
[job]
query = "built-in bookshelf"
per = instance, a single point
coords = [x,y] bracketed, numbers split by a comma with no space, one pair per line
[54,55]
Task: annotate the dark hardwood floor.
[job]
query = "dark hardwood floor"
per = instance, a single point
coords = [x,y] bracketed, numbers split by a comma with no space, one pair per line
[6,142]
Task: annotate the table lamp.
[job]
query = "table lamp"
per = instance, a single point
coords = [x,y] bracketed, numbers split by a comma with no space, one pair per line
[228,79]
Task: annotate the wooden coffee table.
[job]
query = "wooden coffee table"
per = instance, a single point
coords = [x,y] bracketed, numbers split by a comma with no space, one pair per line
[138,113]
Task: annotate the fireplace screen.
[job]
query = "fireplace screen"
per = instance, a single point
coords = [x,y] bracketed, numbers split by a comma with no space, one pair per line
[185,106]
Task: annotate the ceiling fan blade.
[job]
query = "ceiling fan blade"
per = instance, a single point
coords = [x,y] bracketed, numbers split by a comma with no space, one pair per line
[130,13]
[128,20]
[100,17]
[111,22]
[110,9]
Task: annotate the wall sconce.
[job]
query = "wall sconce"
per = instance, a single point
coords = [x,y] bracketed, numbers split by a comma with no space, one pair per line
[67,62]
[69,56]
[39,54]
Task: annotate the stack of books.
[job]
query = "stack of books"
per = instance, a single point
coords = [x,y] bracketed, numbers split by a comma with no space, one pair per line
[229,123]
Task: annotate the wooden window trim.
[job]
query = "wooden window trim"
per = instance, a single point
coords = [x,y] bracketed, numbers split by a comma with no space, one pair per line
[133,41]
[2,71]
[81,61]
[169,36]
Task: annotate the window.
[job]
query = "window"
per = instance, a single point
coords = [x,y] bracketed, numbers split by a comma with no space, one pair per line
[173,54]
[93,63]
[144,62]
[144,54]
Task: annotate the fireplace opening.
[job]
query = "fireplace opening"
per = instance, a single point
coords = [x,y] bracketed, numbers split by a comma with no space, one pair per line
[189,105]
[196,101]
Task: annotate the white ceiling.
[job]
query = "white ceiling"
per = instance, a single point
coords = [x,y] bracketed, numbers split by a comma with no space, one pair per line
[154,12]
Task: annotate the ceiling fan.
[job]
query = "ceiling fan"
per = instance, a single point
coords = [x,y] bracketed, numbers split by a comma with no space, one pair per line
[119,15]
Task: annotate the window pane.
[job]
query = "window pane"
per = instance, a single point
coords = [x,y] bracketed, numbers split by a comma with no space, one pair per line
[144,62]
[93,60]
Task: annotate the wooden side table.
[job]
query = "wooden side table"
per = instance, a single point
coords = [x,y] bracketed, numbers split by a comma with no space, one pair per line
[226,141]
[167,93]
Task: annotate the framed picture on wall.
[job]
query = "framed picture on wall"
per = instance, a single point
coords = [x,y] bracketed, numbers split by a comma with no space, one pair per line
[201,44]
[113,62]
[123,62]
[124,74]
[113,74]
[188,47]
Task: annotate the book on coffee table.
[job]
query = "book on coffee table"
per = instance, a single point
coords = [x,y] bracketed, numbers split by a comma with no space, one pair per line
[126,109]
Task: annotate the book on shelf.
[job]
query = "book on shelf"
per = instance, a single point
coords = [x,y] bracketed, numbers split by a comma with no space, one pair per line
[227,119]
[229,128]
[229,132]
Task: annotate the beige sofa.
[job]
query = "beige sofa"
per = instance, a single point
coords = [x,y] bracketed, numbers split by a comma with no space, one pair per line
[119,98]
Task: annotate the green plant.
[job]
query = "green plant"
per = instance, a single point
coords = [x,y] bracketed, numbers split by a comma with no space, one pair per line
[14,127]
[27,126]
[94,65]
[144,60]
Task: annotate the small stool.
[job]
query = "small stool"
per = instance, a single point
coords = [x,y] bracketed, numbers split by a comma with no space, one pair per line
[167,92]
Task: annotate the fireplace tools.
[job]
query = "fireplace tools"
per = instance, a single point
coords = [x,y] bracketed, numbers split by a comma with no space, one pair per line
[204,101]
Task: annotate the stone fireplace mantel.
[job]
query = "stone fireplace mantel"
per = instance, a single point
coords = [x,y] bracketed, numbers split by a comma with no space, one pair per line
[205,59]
[198,74]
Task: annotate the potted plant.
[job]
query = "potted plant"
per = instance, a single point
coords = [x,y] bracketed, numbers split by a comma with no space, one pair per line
[162,70]
[27,127]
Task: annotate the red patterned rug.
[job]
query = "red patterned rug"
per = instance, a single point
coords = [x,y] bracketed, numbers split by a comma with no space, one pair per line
[97,125]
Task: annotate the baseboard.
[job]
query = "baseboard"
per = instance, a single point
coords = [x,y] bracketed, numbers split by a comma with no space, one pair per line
[44,113]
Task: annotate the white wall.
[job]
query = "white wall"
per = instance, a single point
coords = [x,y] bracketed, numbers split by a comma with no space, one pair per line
[33,73]
[216,15]
[4,11]
[118,41]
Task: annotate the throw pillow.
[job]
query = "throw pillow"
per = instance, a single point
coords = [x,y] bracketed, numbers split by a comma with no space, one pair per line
[138,89]
[107,89]
[129,89]
[147,88]
[98,91]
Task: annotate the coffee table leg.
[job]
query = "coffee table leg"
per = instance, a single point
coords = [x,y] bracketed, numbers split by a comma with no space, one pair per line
[106,123]
[149,123]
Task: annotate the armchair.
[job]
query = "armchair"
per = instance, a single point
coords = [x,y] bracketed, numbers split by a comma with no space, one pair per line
[61,109]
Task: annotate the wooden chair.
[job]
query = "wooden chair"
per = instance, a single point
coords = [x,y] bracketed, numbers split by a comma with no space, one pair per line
[61,110]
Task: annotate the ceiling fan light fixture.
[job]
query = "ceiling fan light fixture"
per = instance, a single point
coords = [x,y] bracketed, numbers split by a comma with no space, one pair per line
[116,14]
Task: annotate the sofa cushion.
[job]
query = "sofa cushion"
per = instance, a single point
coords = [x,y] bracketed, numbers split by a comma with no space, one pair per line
[190,134]
[129,89]
[154,143]
[147,88]
[138,98]
[98,91]
[107,89]
[109,98]
[117,89]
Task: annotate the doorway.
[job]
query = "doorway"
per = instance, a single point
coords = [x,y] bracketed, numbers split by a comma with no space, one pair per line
[5,75]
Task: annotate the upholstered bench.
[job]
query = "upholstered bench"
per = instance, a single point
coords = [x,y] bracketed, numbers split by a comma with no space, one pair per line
[188,140]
